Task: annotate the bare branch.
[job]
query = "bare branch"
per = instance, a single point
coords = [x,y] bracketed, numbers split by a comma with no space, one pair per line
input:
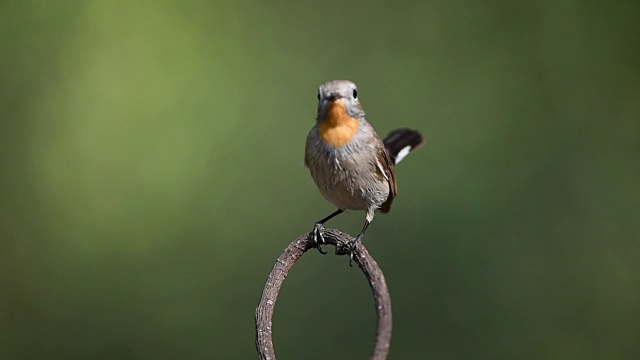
[264,311]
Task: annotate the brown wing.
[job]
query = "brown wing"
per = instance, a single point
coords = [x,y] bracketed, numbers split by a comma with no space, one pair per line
[306,148]
[389,174]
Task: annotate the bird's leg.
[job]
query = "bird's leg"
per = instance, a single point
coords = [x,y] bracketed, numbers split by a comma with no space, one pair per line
[318,230]
[359,238]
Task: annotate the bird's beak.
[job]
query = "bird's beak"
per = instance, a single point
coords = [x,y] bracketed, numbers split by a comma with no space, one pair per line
[329,100]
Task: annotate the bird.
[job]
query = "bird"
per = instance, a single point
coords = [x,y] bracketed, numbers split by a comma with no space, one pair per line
[349,163]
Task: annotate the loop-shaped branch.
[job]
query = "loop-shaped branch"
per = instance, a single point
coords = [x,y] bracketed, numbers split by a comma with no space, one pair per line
[342,242]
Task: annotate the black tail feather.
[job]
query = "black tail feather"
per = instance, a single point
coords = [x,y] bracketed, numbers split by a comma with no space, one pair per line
[402,141]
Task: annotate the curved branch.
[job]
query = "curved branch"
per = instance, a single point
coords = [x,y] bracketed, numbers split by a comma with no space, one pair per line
[342,242]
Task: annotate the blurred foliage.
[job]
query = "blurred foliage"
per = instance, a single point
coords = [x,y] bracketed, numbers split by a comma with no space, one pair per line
[152,172]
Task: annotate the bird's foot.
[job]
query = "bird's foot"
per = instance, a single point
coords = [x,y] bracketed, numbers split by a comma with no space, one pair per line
[317,234]
[353,247]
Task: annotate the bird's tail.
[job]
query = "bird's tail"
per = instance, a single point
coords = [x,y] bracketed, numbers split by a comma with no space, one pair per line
[401,142]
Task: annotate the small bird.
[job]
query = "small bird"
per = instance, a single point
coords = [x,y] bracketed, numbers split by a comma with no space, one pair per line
[351,166]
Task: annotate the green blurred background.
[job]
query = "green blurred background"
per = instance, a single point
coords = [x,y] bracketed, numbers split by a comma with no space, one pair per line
[152,173]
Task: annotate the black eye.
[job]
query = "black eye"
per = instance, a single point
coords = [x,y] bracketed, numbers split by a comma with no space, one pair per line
[355,93]
[318,96]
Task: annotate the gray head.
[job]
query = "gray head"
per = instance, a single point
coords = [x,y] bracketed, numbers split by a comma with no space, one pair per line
[343,92]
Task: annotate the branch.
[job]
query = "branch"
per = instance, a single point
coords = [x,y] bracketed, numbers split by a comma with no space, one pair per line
[264,311]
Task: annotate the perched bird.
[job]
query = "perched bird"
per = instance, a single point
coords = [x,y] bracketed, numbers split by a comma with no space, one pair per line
[351,166]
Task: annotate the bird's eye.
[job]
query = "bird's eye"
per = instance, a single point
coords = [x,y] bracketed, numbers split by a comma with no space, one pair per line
[355,93]
[318,95]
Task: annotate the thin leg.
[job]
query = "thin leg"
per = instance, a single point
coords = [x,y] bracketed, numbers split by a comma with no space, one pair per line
[361,235]
[358,240]
[333,214]
[318,229]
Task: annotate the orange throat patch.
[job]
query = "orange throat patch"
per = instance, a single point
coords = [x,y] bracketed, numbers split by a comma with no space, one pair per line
[338,128]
